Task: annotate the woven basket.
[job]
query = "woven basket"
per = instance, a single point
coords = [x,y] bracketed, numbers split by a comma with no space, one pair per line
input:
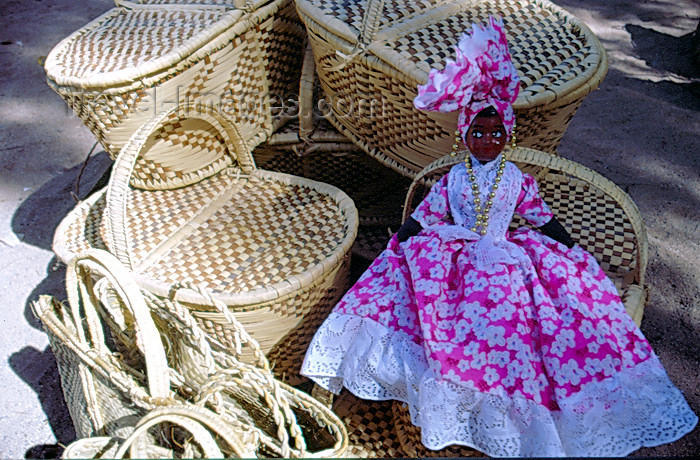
[600,217]
[372,54]
[309,146]
[138,60]
[160,339]
[110,376]
[186,206]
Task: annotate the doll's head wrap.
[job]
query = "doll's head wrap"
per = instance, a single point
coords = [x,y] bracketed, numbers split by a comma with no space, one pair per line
[482,75]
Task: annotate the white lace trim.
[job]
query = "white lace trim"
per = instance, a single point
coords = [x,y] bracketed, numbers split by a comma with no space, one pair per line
[636,407]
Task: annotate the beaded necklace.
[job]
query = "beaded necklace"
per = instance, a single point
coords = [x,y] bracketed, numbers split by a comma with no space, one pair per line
[482,214]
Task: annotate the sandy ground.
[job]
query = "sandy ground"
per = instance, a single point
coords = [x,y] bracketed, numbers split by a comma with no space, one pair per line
[640,129]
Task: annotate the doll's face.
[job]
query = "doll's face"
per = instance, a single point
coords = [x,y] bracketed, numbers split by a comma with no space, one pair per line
[486,137]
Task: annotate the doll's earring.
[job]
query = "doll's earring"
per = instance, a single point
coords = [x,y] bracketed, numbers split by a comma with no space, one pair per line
[513,136]
[455,146]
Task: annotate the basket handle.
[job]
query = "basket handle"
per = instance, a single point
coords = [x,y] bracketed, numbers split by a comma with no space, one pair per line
[198,421]
[80,290]
[116,212]
[306,95]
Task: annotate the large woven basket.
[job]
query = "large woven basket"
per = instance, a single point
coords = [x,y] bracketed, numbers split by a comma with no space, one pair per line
[600,217]
[186,206]
[372,54]
[309,146]
[137,60]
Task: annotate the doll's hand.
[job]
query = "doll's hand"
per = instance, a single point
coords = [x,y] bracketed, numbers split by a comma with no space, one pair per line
[557,232]
[409,228]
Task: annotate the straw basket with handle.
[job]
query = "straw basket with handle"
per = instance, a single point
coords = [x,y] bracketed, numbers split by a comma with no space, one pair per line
[268,417]
[195,430]
[140,59]
[109,381]
[186,206]
[372,54]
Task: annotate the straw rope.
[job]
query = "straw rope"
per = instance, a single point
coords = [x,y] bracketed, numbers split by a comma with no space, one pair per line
[241,384]
[601,217]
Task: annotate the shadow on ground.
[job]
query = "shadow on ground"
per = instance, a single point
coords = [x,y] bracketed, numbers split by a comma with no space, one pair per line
[38,369]
[37,218]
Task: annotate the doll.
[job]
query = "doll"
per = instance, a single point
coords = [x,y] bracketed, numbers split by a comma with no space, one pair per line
[514,343]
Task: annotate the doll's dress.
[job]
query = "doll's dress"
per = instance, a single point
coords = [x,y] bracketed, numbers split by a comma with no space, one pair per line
[510,343]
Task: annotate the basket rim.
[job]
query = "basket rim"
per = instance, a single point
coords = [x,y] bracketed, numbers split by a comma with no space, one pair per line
[377,54]
[558,165]
[233,22]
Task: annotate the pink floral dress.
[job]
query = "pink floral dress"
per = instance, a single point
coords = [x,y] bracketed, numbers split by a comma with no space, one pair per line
[510,343]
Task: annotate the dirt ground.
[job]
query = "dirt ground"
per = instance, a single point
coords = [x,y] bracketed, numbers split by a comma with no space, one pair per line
[641,129]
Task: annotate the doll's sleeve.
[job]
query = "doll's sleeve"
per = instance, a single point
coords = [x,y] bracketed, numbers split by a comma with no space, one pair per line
[531,205]
[434,206]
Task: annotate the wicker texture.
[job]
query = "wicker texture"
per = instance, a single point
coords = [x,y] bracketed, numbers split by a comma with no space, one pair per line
[309,146]
[370,427]
[192,432]
[273,247]
[377,191]
[130,334]
[600,217]
[136,61]
[372,54]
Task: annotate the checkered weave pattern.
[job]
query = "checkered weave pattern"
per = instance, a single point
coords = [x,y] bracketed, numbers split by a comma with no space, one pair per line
[135,62]
[81,229]
[370,427]
[378,191]
[375,53]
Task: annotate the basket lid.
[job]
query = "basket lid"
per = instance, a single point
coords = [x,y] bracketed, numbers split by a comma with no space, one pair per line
[553,52]
[289,231]
[135,41]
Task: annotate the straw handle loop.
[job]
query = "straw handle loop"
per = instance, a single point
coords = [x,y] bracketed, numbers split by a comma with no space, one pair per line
[197,421]
[116,212]
[81,294]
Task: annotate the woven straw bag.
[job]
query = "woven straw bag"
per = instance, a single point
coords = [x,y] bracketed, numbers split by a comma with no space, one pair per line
[600,217]
[372,54]
[186,206]
[194,431]
[139,59]
[268,417]
[103,378]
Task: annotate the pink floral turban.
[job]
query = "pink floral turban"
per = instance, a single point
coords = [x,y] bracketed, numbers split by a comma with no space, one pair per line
[482,75]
